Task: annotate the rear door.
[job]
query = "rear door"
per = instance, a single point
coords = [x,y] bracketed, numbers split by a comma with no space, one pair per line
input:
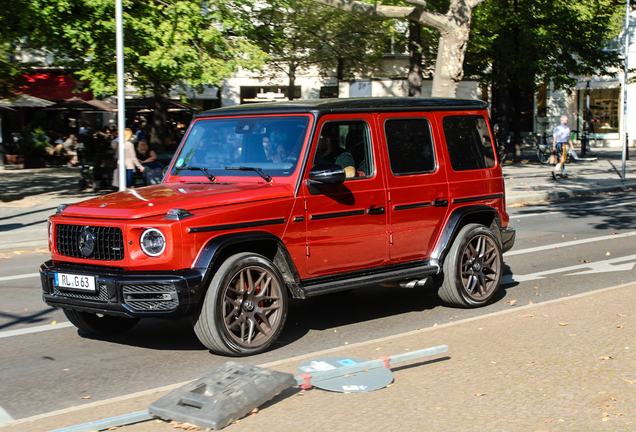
[417,186]
[474,176]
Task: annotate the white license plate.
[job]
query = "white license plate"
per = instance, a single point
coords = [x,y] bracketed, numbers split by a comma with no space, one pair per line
[77,282]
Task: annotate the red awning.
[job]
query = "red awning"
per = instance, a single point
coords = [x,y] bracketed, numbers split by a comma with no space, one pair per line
[51,86]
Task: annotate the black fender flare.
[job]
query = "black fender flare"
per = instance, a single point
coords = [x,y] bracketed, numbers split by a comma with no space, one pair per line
[262,242]
[486,215]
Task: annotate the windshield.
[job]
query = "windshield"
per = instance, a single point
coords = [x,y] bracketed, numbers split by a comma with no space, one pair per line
[272,144]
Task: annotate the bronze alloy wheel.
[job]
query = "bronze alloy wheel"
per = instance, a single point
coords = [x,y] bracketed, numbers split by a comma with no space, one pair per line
[251,306]
[473,268]
[245,308]
[480,267]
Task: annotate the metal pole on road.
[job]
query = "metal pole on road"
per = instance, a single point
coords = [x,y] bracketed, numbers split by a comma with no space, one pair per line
[121,108]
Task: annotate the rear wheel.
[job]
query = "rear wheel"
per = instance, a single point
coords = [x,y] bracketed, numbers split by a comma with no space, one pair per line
[543,157]
[99,324]
[245,308]
[473,268]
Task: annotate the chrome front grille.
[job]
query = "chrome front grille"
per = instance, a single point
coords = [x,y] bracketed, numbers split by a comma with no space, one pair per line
[151,297]
[109,242]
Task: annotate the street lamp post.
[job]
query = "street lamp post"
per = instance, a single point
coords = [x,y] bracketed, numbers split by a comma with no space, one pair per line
[121,108]
[625,78]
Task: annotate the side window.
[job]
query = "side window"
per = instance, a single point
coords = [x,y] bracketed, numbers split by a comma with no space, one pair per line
[410,146]
[348,144]
[469,143]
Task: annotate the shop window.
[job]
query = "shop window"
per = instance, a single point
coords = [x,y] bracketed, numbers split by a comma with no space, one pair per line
[542,101]
[604,110]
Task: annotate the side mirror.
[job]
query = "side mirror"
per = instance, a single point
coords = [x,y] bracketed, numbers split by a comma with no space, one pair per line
[327,174]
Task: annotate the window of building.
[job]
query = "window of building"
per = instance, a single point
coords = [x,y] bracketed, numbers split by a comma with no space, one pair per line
[410,146]
[328,92]
[542,101]
[604,110]
[468,141]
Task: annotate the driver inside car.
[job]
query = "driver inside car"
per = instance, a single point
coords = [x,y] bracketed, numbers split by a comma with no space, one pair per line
[330,152]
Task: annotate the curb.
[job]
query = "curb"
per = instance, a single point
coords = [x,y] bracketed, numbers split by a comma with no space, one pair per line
[542,196]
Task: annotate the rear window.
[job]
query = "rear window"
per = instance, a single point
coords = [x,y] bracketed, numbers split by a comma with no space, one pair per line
[469,143]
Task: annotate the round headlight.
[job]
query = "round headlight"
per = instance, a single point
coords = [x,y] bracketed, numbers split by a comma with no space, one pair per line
[152,242]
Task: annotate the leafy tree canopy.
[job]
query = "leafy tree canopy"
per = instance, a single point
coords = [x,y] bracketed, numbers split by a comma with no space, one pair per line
[297,34]
[528,42]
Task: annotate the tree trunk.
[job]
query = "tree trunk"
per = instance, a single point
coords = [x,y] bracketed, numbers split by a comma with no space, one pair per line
[450,60]
[515,95]
[340,71]
[159,118]
[415,59]
[292,81]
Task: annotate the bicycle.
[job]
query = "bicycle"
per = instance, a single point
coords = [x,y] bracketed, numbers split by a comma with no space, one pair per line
[544,150]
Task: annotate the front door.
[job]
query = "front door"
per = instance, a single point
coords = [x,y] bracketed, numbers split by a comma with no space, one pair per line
[347,222]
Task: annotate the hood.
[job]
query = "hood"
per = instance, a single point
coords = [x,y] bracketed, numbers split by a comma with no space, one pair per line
[158,199]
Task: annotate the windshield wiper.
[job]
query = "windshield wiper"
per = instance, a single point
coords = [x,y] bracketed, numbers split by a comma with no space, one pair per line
[195,168]
[259,171]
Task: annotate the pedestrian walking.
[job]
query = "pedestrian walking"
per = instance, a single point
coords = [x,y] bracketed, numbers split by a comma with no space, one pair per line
[561,144]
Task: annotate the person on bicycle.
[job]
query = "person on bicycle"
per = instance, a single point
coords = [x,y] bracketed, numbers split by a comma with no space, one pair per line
[561,143]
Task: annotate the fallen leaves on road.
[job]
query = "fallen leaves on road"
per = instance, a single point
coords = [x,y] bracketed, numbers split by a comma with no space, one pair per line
[606,357]
[563,324]
[511,302]
[188,426]
[584,261]
[480,394]
[619,326]
[621,315]
[85,397]
[607,254]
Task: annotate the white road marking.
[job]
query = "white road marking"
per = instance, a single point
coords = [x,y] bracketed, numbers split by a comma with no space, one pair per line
[22,276]
[5,417]
[592,268]
[570,243]
[19,332]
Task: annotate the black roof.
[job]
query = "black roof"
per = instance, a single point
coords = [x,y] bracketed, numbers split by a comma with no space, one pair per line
[324,106]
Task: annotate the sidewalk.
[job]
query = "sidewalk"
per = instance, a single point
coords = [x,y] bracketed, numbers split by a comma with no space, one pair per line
[564,365]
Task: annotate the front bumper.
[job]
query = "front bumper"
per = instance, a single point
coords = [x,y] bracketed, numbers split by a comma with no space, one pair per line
[159,294]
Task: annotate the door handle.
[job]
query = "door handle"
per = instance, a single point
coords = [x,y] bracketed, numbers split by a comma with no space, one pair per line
[439,202]
[373,210]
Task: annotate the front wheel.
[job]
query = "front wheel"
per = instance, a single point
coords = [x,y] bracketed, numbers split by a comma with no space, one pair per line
[543,157]
[99,324]
[245,308]
[473,269]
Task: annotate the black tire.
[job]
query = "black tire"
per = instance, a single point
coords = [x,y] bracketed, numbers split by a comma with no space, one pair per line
[543,157]
[99,324]
[473,268]
[245,308]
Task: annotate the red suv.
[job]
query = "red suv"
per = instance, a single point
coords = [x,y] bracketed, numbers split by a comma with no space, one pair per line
[263,202]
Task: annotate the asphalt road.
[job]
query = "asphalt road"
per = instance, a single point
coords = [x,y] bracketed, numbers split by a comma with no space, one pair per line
[563,248]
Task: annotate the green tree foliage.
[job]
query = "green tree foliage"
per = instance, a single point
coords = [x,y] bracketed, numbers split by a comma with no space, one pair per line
[517,45]
[17,21]
[298,34]
[167,44]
